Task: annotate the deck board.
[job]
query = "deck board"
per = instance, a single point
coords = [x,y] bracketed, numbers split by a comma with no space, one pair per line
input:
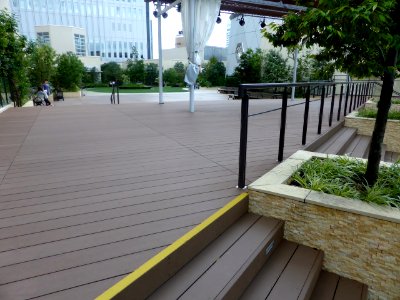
[89,192]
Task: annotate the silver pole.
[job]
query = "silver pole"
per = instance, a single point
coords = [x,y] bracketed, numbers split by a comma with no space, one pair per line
[296,52]
[191,87]
[160,58]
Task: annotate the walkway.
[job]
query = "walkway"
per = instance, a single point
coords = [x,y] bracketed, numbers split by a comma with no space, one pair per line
[89,192]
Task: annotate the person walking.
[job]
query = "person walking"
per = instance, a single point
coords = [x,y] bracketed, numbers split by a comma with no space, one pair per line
[46,87]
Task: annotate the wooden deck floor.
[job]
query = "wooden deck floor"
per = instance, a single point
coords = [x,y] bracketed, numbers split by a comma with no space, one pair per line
[90,192]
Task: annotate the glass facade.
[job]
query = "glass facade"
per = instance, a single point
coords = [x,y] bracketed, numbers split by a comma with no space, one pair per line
[80,45]
[43,37]
[106,22]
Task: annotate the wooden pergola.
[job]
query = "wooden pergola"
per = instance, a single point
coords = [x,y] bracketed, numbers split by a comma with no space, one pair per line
[271,8]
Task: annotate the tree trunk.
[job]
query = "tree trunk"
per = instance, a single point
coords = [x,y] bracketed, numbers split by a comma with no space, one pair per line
[374,156]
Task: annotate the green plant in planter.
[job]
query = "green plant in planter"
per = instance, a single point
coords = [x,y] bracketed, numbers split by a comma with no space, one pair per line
[371,113]
[345,177]
[361,38]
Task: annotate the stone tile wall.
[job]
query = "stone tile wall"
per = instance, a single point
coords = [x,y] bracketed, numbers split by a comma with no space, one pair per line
[365,126]
[355,246]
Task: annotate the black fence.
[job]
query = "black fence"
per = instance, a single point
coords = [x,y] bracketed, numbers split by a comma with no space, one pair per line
[114,93]
[345,97]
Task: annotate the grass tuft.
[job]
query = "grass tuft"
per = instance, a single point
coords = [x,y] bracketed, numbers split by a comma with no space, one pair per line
[345,177]
[371,113]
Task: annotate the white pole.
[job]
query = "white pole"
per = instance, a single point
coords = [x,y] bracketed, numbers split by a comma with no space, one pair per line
[160,58]
[296,52]
[191,87]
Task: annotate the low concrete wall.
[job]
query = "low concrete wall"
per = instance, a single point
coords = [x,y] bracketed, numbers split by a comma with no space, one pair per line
[77,94]
[365,126]
[360,241]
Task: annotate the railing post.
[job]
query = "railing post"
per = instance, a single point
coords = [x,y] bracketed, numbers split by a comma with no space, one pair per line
[283,125]
[243,140]
[351,97]
[305,121]
[355,97]
[321,110]
[340,103]
[365,92]
[332,104]
[118,93]
[347,99]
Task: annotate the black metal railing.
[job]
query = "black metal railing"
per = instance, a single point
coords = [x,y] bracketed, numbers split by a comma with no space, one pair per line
[115,90]
[353,94]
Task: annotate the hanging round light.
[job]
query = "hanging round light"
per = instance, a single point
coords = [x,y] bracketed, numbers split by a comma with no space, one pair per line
[241,21]
[219,18]
[262,23]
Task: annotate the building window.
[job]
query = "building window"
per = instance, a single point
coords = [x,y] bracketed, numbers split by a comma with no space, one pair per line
[43,37]
[80,46]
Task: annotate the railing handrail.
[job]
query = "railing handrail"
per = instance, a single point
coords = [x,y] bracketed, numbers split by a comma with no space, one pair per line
[354,96]
[248,86]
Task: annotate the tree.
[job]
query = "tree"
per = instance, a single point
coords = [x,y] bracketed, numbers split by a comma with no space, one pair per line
[150,73]
[274,67]
[249,68]
[13,60]
[170,77]
[361,38]
[214,72]
[321,70]
[179,67]
[135,70]
[42,63]
[111,72]
[91,76]
[69,72]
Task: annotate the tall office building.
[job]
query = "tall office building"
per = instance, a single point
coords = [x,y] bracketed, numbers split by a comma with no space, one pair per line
[110,27]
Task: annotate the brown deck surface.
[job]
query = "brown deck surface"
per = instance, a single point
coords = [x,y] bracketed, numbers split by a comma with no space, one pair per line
[89,192]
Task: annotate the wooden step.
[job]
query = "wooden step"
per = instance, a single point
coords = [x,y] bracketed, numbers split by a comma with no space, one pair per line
[358,147]
[324,138]
[147,278]
[333,287]
[225,268]
[338,142]
[290,273]
[391,156]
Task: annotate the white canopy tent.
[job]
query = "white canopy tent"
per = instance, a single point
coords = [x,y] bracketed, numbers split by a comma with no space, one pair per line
[198,20]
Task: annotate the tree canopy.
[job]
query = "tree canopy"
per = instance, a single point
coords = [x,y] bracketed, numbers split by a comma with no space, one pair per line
[361,38]
[42,63]
[13,60]
[356,35]
[69,73]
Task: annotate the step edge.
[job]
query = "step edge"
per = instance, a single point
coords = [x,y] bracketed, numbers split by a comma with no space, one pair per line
[312,277]
[126,286]
[241,280]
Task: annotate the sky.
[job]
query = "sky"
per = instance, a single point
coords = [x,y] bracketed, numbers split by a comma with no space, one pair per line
[172,25]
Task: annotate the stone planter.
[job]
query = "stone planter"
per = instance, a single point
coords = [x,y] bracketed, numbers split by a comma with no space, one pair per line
[365,126]
[372,105]
[360,240]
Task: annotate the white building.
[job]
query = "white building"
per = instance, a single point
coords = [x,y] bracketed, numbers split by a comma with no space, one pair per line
[248,36]
[111,27]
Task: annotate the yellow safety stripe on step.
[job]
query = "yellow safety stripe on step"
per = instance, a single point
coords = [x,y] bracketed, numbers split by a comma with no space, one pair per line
[151,263]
